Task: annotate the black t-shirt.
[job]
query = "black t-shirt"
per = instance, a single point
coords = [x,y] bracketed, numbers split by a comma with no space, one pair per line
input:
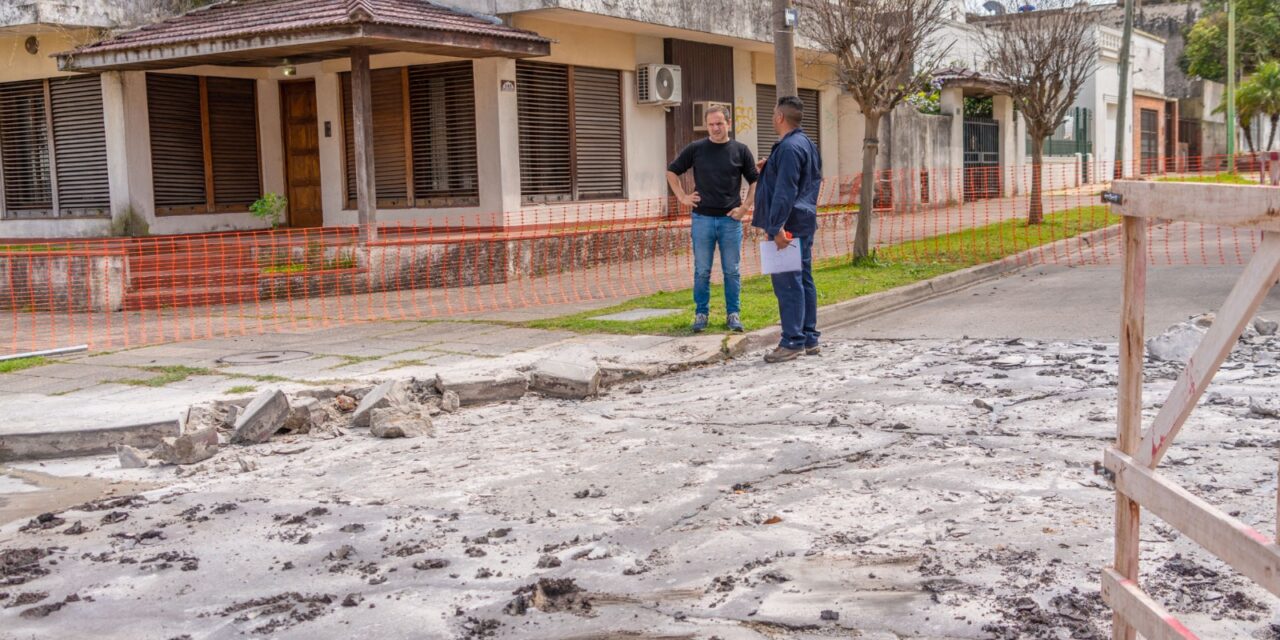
[718,170]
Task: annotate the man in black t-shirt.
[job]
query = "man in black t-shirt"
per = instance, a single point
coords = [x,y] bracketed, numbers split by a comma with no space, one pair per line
[719,165]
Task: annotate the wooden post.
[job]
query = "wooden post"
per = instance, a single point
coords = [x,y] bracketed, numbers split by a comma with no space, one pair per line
[1129,396]
[362,126]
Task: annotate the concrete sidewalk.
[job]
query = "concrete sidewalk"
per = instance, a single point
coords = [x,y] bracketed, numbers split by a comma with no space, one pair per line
[155,383]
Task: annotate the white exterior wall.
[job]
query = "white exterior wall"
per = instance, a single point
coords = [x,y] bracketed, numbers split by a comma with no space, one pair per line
[1148,63]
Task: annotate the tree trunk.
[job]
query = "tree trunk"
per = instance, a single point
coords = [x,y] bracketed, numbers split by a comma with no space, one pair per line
[1271,138]
[1248,138]
[866,200]
[1036,216]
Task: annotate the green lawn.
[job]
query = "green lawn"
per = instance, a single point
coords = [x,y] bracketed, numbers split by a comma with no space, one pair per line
[1221,178]
[18,364]
[838,280]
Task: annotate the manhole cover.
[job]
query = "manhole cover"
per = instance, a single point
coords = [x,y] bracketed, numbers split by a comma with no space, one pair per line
[264,357]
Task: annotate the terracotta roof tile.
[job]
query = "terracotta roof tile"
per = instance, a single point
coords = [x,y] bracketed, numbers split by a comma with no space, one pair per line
[247,18]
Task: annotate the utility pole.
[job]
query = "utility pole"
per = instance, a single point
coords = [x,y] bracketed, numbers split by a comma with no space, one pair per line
[1231,86]
[784,48]
[1121,135]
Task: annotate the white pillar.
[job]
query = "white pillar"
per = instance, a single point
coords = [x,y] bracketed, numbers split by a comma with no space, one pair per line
[951,102]
[1003,112]
[498,138]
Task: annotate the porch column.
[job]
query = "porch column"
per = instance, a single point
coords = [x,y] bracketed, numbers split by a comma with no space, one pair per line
[1009,169]
[498,140]
[951,102]
[362,124]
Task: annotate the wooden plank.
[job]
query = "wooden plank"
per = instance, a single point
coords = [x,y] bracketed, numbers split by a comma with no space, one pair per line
[1140,611]
[1252,206]
[408,135]
[1244,548]
[1129,401]
[362,126]
[1236,312]
[210,201]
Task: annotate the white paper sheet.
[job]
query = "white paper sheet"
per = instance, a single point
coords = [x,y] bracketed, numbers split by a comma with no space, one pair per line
[774,261]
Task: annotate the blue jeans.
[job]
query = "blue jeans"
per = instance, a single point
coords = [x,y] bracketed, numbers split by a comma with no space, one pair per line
[708,232]
[798,301]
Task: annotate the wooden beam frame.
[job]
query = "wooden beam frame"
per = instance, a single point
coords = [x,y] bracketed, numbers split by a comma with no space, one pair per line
[1146,615]
[1129,401]
[1247,206]
[1246,549]
[1231,320]
[1132,462]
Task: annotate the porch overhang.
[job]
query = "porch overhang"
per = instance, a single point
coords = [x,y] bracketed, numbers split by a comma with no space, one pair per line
[264,33]
[970,82]
[271,51]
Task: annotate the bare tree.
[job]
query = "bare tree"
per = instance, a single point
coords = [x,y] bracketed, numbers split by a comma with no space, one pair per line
[882,52]
[1045,56]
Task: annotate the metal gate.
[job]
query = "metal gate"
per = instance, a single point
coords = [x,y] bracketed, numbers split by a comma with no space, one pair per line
[981,158]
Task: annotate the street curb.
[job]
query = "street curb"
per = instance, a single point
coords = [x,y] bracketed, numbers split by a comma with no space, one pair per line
[83,442]
[86,442]
[861,308]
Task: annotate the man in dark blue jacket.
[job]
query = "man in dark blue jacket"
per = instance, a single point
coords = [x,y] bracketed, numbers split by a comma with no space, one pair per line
[787,209]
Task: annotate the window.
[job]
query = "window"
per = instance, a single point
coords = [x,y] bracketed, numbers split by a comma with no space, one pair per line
[53,148]
[204,143]
[424,136]
[767,99]
[571,145]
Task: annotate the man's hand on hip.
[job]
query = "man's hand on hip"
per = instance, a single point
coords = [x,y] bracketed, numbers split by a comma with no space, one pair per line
[739,213]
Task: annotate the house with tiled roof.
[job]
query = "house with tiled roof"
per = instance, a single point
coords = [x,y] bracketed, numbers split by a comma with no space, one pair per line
[480,113]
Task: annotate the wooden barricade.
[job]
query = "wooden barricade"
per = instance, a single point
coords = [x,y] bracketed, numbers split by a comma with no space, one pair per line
[1131,463]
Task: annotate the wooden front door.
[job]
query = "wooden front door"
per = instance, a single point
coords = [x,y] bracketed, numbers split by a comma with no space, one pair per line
[301,153]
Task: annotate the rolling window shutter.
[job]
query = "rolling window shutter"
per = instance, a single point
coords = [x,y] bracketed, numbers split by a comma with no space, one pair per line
[812,120]
[80,145]
[389,166]
[24,149]
[177,140]
[545,162]
[766,100]
[442,112]
[233,140]
[597,123]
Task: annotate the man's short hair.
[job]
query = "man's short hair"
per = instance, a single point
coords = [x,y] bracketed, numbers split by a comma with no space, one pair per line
[720,109]
[792,110]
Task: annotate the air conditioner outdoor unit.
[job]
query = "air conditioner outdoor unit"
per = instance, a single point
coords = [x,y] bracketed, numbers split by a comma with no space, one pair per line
[658,84]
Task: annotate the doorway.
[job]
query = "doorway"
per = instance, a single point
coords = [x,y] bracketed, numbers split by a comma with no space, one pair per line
[301,153]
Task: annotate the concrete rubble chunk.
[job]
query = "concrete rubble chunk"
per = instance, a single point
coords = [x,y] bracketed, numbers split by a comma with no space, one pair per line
[262,418]
[188,448]
[1265,327]
[388,394]
[399,422]
[561,379]
[130,458]
[483,387]
[305,413]
[198,417]
[450,402]
[1177,343]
